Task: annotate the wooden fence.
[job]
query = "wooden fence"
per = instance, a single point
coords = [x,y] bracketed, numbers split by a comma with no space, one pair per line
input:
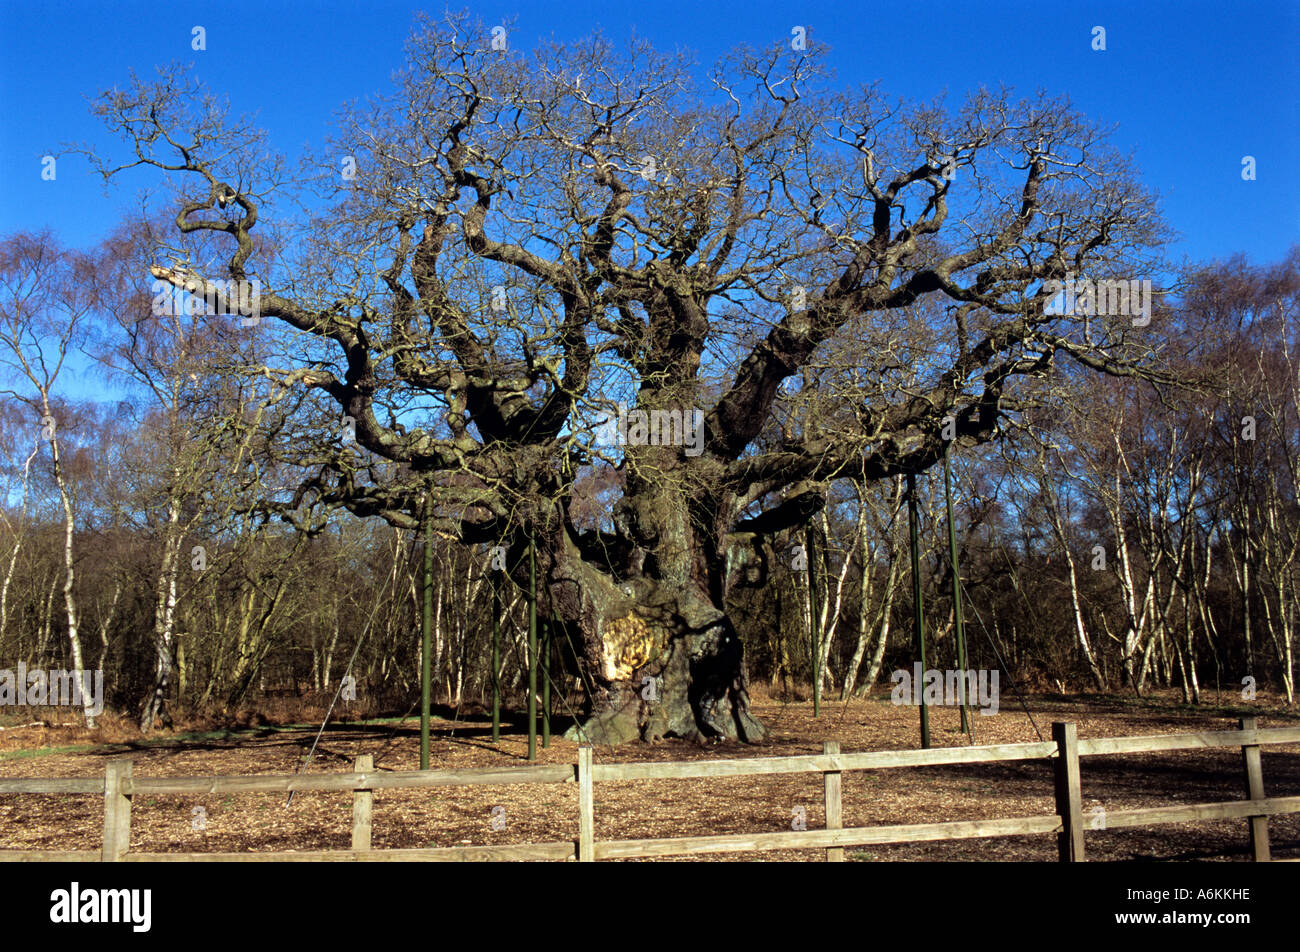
[1063,753]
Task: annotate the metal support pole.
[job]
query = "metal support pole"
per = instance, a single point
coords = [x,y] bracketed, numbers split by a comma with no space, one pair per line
[532,650]
[496,656]
[426,662]
[958,627]
[912,519]
[546,682]
[814,632]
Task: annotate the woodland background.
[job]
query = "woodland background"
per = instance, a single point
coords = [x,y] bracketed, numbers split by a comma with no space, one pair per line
[1127,538]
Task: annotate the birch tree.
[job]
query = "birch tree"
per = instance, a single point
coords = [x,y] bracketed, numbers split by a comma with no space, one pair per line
[44,308]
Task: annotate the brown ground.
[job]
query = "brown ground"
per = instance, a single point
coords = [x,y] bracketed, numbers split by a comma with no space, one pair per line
[547,812]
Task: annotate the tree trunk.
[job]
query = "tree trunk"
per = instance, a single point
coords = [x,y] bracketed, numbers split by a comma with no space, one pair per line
[327,662]
[661,655]
[164,621]
[1057,520]
[1194,684]
[69,596]
[864,597]
[830,608]
[47,621]
[18,544]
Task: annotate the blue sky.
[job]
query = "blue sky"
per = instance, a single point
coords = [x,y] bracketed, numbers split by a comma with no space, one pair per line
[1193,86]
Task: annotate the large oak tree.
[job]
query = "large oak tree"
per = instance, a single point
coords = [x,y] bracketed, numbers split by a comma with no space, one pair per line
[495,254]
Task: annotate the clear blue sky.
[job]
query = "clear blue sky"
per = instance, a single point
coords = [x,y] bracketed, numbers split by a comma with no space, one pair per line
[1193,86]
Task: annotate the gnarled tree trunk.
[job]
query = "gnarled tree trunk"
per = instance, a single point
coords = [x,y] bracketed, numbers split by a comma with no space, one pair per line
[652,641]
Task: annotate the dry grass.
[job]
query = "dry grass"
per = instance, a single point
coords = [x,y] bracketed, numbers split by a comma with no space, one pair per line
[462,815]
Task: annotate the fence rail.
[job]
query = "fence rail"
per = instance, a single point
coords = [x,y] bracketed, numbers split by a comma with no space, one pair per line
[1063,753]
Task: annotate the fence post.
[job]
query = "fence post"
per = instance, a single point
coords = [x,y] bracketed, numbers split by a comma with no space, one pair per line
[362,801]
[586,807]
[1255,791]
[117,810]
[834,802]
[1069,793]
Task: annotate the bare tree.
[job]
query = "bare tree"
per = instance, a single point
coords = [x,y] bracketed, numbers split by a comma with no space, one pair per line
[43,319]
[519,243]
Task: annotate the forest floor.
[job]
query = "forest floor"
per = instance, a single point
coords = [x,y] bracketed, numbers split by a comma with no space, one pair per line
[451,816]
